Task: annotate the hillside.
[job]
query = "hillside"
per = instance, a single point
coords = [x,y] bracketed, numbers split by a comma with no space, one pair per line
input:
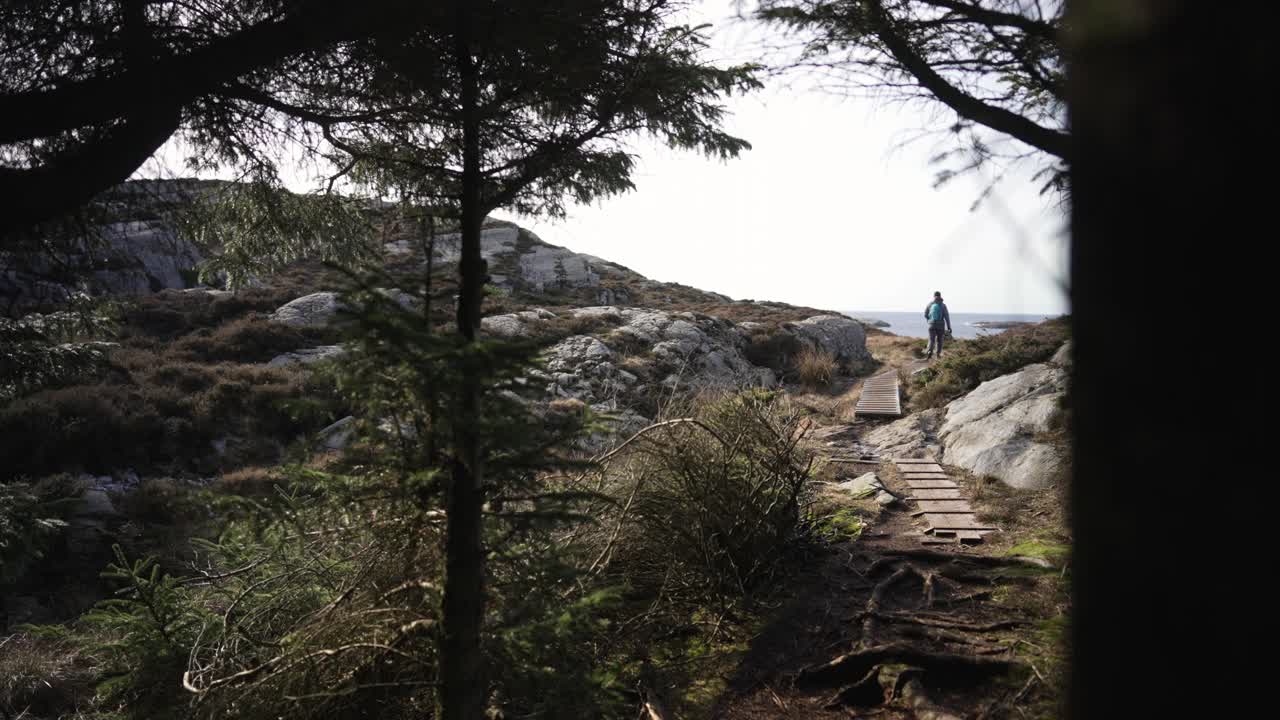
[224,425]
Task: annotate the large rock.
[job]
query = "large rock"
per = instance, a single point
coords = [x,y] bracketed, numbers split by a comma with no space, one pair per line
[314,310]
[338,435]
[843,337]
[992,430]
[914,436]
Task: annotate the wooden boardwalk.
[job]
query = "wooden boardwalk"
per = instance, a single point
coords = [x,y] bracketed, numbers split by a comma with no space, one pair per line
[943,506]
[880,396]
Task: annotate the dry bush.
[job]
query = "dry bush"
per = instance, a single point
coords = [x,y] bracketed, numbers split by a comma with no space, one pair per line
[44,675]
[816,368]
[704,506]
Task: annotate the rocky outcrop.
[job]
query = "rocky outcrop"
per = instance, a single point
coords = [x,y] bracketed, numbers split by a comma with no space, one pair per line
[992,430]
[841,336]
[638,354]
[125,258]
[1063,358]
[873,322]
[518,260]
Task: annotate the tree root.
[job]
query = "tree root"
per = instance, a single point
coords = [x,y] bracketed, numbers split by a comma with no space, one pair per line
[950,668]
[950,624]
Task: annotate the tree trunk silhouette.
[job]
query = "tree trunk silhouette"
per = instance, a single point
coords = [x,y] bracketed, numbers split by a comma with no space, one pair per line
[462,679]
[1163,200]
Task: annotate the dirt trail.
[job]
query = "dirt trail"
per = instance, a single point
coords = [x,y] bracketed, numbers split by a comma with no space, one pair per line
[884,626]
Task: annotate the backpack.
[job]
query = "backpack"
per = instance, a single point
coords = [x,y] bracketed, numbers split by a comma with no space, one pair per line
[935,312]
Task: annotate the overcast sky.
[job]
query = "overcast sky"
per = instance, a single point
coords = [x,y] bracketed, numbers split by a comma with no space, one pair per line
[829,209]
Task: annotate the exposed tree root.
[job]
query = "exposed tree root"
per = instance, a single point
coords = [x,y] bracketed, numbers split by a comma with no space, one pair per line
[928,621]
[949,668]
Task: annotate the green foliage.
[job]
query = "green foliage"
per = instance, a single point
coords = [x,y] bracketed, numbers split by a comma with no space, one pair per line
[844,524]
[41,350]
[549,662]
[147,633]
[997,67]
[556,96]
[257,228]
[31,518]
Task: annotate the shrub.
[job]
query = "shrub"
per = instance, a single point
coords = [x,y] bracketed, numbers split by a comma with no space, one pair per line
[704,506]
[247,340]
[165,418]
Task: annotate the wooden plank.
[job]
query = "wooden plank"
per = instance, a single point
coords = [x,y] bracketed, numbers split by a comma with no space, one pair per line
[945,506]
[913,475]
[942,494]
[969,537]
[914,461]
[923,467]
[955,521]
[939,540]
[931,484]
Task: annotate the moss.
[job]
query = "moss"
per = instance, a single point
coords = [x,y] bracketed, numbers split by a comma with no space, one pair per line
[1053,552]
[843,525]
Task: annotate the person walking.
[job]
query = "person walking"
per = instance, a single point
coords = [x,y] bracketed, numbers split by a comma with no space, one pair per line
[939,324]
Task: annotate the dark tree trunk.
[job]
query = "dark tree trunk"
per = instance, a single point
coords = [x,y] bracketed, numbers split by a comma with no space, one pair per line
[462,680]
[1164,197]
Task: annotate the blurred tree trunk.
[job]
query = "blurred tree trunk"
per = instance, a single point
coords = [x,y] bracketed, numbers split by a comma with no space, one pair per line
[1164,208]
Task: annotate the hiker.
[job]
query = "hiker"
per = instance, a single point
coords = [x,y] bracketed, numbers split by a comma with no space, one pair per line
[939,324]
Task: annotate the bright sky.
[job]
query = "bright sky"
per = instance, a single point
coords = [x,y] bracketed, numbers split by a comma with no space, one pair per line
[829,209]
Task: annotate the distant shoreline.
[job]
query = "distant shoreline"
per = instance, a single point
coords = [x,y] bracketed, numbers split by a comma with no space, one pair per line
[965,325]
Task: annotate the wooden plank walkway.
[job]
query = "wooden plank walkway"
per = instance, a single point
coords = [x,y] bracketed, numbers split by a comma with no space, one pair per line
[880,396]
[943,506]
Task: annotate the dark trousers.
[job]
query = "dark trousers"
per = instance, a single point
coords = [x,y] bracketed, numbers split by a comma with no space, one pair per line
[936,334]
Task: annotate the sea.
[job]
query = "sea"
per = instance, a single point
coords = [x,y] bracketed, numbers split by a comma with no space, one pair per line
[913,324]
